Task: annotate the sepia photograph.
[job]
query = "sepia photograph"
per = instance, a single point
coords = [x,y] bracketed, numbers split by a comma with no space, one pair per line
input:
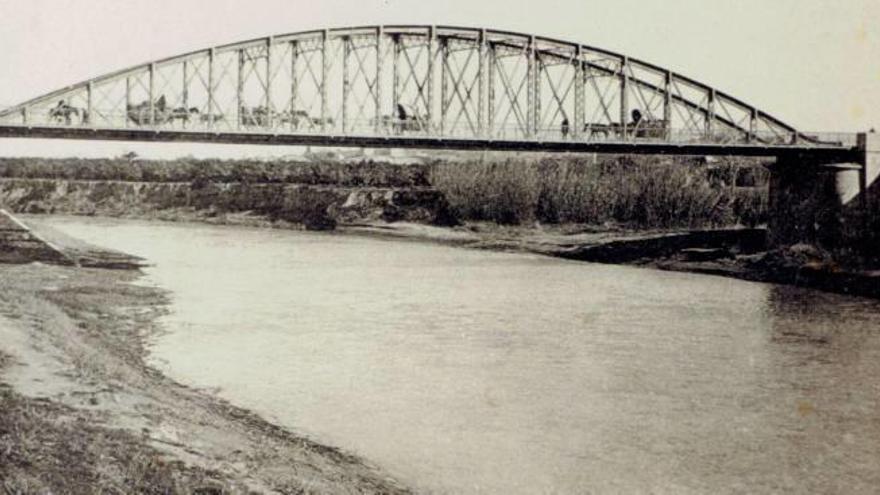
[439,247]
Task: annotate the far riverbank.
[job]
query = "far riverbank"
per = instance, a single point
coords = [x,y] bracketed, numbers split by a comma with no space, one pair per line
[701,215]
[738,253]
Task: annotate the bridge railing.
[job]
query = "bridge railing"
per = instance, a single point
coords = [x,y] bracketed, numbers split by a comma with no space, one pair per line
[388,127]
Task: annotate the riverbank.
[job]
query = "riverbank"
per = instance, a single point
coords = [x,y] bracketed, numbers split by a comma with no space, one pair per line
[80,411]
[739,253]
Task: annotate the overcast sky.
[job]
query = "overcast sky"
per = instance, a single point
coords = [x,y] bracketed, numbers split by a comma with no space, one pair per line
[815,64]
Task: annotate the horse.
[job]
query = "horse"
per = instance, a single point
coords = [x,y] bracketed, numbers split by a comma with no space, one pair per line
[248,116]
[321,122]
[207,118]
[63,113]
[262,116]
[293,117]
[183,114]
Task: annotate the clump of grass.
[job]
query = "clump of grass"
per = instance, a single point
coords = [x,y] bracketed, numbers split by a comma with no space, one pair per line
[49,448]
[640,192]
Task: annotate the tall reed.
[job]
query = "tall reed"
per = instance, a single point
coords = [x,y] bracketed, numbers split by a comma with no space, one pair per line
[641,192]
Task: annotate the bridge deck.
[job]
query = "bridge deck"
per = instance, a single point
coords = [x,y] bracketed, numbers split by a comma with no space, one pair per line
[827,153]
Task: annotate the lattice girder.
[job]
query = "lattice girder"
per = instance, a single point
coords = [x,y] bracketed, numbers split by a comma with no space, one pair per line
[409,80]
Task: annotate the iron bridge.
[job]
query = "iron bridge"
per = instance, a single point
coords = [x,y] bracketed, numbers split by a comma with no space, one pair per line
[416,86]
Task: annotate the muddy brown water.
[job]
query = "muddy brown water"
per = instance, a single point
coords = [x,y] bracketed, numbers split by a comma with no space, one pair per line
[463,371]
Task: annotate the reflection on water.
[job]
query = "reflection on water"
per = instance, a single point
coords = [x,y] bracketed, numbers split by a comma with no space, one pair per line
[477,372]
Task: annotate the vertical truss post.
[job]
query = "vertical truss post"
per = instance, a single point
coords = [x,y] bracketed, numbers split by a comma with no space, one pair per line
[185,86]
[152,91]
[325,71]
[536,107]
[268,88]
[185,95]
[346,83]
[239,90]
[710,112]
[294,48]
[378,95]
[211,56]
[481,82]
[90,90]
[577,120]
[530,129]
[429,83]
[127,98]
[753,124]
[395,76]
[24,115]
[624,97]
[667,104]
[490,91]
[444,84]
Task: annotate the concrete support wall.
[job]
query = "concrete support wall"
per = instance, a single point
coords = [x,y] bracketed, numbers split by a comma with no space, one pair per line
[829,204]
[870,144]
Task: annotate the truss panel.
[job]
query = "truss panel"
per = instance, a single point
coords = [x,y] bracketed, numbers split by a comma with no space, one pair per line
[421,81]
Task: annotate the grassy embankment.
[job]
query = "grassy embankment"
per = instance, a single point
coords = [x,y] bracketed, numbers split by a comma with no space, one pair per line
[621,191]
[46,447]
[291,194]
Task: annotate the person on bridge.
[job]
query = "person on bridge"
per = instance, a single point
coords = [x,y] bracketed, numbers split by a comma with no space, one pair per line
[565,128]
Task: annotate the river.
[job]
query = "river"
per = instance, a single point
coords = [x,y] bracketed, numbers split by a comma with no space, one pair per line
[465,371]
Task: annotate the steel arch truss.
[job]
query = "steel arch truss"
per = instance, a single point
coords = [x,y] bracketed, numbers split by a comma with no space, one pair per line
[429,81]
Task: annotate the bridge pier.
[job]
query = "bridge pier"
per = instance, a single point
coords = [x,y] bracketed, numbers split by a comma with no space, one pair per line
[833,205]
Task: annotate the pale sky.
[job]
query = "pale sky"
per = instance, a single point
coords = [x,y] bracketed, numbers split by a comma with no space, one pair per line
[815,64]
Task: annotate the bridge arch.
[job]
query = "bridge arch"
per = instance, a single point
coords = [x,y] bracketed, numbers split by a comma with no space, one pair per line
[400,80]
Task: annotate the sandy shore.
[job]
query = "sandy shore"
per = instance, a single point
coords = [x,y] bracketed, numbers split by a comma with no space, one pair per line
[80,412]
